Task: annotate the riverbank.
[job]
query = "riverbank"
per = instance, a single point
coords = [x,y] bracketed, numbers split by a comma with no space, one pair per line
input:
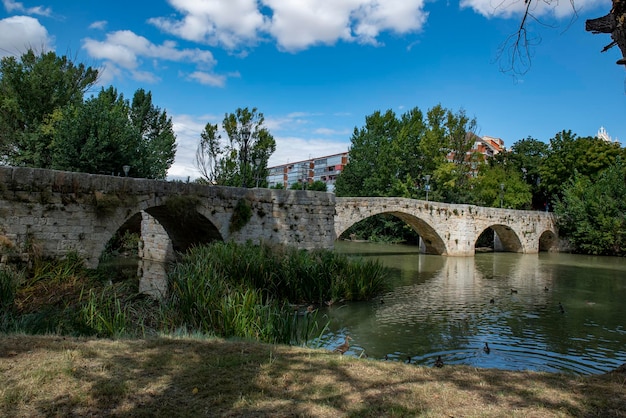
[64,376]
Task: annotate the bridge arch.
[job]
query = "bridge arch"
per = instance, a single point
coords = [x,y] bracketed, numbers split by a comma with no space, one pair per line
[453,229]
[433,242]
[548,240]
[508,239]
[185,230]
[67,211]
[176,231]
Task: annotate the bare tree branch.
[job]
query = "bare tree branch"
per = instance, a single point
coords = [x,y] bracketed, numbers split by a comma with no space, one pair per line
[515,53]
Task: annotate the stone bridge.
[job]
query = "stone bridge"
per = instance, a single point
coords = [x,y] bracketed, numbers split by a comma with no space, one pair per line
[51,213]
[453,230]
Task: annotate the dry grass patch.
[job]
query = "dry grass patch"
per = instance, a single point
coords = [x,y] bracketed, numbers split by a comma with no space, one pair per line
[56,376]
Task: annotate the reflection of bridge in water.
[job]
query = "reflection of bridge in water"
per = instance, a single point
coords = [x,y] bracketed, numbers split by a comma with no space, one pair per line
[441,306]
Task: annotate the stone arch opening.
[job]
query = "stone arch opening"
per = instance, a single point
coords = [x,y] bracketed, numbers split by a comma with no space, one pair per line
[431,242]
[547,241]
[185,231]
[504,239]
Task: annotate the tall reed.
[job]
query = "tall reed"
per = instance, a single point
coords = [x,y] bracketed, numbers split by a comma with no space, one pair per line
[245,290]
[104,313]
[9,281]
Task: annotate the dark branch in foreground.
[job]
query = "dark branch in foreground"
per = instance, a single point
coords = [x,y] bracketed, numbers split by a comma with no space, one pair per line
[613,23]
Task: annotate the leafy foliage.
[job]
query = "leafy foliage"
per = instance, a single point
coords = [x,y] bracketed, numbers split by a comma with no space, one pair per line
[592,212]
[105,132]
[46,123]
[157,142]
[391,156]
[241,215]
[569,154]
[498,185]
[32,91]
[242,160]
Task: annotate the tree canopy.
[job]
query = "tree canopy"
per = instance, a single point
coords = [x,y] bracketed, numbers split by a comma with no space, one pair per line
[32,91]
[241,160]
[105,133]
[592,212]
[402,156]
[46,122]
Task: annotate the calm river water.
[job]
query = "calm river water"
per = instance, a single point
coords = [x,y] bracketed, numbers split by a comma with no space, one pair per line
[442,306]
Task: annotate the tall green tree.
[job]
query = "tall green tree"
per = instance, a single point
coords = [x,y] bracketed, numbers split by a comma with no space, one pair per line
[592,213]
[500,186]
[393,156]
[241,160]
[373,168]
[525,158]
[105,132]
[569,154]
[96,136]
[157,145]
[33,90]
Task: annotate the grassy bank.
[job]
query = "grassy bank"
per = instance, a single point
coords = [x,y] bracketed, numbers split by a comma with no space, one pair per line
[57,376]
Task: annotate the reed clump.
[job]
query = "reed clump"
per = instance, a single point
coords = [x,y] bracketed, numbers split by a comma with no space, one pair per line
[223,289]
[249,291]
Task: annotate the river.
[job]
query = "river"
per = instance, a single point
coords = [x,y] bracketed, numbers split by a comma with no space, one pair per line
[544,312]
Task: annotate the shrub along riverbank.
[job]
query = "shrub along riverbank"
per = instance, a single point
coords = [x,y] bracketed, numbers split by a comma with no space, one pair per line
[222,289]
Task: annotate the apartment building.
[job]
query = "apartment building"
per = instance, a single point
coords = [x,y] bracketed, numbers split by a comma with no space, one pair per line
[324,169]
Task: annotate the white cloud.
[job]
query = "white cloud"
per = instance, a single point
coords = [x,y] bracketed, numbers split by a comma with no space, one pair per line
[17,7]
[126,50]
[295,25]
[208,79]
[299,25]
[226,23]
[510,8]
[100,24]
[331,132]
[19,33]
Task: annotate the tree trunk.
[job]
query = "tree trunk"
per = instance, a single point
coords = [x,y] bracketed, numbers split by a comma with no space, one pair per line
[613,23]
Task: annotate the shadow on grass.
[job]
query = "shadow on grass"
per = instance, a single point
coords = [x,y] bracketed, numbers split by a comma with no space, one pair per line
[53,376]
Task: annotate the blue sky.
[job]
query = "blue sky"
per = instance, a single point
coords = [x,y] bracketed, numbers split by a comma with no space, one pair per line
[317,68]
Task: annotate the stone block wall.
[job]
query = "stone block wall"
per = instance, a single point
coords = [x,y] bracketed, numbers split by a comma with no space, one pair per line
[53,212]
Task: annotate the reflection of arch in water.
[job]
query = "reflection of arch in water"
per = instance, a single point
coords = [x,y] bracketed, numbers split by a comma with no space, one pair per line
[433,243]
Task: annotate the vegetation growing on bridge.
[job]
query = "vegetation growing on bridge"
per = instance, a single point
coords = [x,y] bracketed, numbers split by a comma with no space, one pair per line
[241,215]
[220,289]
